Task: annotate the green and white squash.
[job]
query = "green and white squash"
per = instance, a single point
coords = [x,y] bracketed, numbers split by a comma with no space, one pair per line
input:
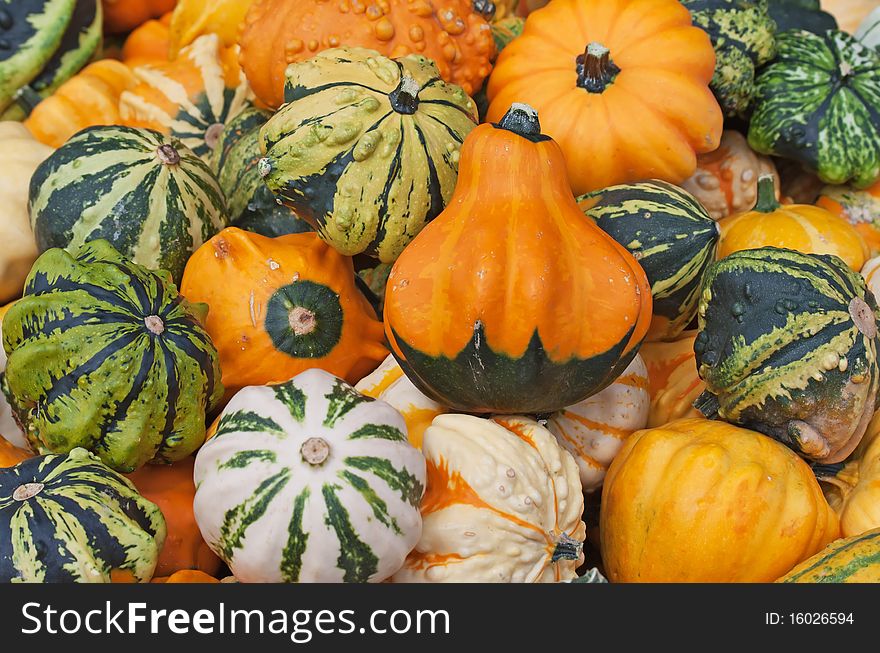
[849,560]
[71,519]
[148,194]
[869,31]
[788,347]
[309,481]
[743,35]
[106,355]
[672,237]
[30,33]
[80,42]
[366,148]
[250,204]
[819,103]
[801,14]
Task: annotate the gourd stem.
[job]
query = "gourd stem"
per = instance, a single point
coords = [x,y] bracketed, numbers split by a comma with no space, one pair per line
[766,195]
[567,548]
[315,451]
[521,119]
[405,98]
[28,99]
[595,69]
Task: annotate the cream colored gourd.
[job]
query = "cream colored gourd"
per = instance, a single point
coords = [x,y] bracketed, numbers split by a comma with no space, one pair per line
[21,154]
[503,504]
[871,273]
[593,430]
[869,31]
[391,385]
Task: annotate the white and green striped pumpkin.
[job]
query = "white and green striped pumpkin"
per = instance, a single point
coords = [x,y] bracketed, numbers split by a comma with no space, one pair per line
[309,481]
[366,148]
[106,355]
[593,431]
[148,194]
[70,519]
[190,98]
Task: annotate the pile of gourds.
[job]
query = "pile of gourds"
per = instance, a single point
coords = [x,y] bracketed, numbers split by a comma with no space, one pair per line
[439,291]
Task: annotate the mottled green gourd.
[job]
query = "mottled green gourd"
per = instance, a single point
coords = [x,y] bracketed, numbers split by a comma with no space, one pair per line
[366,148]
[801,14]
[32,32]
[80,41]
[672,237]
[148,194]
[848,560]
[106,355]
[788,347]
[819,103]
[249,202]
[743,35]
[71,519]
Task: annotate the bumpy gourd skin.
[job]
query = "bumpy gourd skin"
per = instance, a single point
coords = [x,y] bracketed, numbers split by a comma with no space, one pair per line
[788,347]
[742,34]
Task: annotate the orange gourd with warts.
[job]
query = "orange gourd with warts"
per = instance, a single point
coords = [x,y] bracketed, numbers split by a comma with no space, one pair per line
[510,301]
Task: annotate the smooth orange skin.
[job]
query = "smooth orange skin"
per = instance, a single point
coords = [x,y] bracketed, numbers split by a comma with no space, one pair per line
[650,123]
[802,227]
[673,381]
[124,15]
[149,43]
[10,455]
[171,487]
[89,98]
[237,270]
[513,250]
[869,232]
[186,576]
[280,32]
[192,18]
[703,501]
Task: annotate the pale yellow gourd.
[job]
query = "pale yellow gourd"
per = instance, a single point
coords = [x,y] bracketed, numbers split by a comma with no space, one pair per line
[21,154]
[503,504]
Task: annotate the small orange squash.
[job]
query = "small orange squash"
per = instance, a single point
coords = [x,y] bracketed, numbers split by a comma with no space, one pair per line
[280,32]
[510,301]
[186,576]
[149,43]
[704,501]
[801,227]
[279,306]
[124,15]
[621,85]
[171,488]
[861,208]
[89,98]
[673,380]
[192,18]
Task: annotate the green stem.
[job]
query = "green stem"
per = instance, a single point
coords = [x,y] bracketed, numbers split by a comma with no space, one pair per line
[766,195]
[567,548]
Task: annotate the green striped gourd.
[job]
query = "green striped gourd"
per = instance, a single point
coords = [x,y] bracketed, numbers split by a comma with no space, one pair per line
[869,31]
[71,519]
[190,98]
[366,148]
[850,560]
[309,481]
[78,45]
[31,32]
[672,237]
[818,103]
[106,355]
[249,202]
[788,347]
[743,35]
[148,194]
[594,430]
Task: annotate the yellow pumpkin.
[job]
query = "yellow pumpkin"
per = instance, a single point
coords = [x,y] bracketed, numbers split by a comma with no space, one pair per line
[388,383]
[704,501]
[673,381]
[192,18]
[802,227]
[502,504]
[21,154]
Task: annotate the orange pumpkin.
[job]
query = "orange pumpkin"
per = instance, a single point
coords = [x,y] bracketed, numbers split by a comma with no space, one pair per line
[124,15]
[510,301]
[279,306]
[171,488]
[186,576]
[89,98]
[279,32]
[861,208]
[703,501]
[801,227]
[621,85]
[673,381]
[149,43]
[192,18]
[10,455]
